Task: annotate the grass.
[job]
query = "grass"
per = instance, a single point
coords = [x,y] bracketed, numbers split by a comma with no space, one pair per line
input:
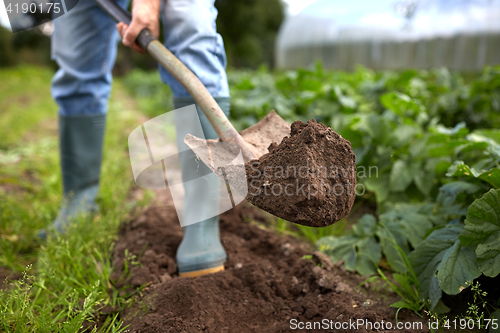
[66,280]
[25,102]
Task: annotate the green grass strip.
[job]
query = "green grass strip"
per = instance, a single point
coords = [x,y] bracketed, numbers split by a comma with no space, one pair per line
[66,280]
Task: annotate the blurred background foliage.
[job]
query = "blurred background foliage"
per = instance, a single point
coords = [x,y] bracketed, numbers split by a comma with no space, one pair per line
[249,29]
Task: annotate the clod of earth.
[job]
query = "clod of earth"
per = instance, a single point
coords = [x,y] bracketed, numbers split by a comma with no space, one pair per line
[309,178]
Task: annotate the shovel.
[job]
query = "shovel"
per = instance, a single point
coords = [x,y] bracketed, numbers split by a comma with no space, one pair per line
[251,142]
[225,156]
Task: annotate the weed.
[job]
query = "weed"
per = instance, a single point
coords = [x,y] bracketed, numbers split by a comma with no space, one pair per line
[404,283]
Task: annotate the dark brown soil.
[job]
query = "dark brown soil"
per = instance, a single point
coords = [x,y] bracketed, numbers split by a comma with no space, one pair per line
[309,178]
[267,282]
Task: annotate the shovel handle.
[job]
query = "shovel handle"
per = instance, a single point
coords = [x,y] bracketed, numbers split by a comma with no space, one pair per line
[185,77]
[119,14]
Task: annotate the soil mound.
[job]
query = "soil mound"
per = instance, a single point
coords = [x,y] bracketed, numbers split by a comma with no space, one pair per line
[309,178]
[267,284]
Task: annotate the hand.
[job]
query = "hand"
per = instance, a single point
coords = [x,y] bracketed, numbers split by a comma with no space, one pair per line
[145,14]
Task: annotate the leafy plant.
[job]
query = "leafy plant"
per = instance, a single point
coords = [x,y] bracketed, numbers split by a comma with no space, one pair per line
[404,282]
[359,249]
[443,264]
[482,232]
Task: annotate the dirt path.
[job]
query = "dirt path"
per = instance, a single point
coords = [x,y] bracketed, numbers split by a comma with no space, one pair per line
[266,284]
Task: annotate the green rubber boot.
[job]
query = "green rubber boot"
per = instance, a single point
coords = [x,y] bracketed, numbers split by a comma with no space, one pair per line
[80,143]
[200,251]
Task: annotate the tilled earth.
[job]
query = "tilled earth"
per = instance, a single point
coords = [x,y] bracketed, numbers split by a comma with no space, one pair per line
[267,285]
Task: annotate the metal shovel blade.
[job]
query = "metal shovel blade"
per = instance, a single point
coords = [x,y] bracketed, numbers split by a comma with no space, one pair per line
[222,157]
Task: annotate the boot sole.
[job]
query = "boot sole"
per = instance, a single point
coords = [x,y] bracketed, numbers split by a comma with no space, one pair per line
[202,272]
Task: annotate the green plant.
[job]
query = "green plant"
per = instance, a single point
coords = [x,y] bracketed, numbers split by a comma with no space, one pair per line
[404,283]
[482,232]
[475,309]
[359,249]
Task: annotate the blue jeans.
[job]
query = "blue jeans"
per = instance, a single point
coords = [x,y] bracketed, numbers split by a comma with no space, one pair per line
[84,44]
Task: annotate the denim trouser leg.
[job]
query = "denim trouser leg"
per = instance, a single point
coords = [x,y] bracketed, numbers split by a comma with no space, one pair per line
[191,35]
[84,44]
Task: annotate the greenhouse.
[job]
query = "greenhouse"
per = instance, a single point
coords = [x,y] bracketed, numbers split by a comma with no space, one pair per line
[458,34]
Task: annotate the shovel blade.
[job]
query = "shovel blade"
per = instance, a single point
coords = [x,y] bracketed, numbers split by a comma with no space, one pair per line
[216,154]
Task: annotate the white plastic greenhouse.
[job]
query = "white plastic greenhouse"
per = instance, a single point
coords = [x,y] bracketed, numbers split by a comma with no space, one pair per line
[389,34]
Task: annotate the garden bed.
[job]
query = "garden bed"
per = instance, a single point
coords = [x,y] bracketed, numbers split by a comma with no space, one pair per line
[269,280]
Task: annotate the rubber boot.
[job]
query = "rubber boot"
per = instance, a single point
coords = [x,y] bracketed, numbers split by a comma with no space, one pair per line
[200,251]
[80,143]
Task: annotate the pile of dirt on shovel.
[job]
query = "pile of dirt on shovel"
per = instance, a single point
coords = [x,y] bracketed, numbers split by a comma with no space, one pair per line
[269,280]
[309,178]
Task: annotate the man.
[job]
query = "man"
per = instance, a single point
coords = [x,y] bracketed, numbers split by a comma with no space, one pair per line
[84,44]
